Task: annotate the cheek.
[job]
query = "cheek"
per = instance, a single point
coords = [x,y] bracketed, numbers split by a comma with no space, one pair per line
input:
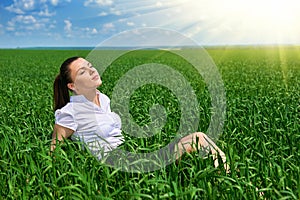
[81,81]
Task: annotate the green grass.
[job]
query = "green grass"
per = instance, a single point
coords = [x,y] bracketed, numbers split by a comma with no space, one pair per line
[261,133]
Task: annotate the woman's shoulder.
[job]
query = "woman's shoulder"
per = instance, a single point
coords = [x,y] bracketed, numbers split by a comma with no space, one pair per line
[68,108]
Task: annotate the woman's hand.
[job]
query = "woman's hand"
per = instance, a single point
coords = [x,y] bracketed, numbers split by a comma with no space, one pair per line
[200,141]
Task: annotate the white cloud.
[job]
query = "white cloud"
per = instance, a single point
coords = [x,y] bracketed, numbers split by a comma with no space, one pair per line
[98,2]
[102,14]
[28,19]
[21,21]
[20,6]
[39,6]
[54,2]
[158,4]
[10,28]
[28,4]
[22,33]
[68,26]
[122,20]
[46,12]
[13,9]
[130,23]
[108,25]
[115,11]
[25,23]
[52,26]
[94,31]
[89,31]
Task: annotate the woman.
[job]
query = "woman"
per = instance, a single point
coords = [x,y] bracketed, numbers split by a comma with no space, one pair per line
[87,116]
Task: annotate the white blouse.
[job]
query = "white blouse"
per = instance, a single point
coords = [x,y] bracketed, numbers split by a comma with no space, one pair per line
[97,127]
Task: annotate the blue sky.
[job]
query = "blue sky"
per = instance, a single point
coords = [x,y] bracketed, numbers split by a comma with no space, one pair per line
[30,23]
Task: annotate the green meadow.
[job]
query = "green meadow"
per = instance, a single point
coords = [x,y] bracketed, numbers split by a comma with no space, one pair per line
[261,132]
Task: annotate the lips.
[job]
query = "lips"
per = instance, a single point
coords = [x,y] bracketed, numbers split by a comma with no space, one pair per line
[95,77]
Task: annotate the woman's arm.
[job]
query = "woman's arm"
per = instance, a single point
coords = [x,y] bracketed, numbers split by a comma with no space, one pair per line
[59,134]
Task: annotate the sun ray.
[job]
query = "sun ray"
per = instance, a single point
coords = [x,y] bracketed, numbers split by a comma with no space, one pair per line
[283,64]
[268,21]
[151,6]
[216,22]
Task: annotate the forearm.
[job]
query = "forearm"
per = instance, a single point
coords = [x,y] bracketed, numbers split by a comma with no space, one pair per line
[54,141]
[55,137]
[58,135]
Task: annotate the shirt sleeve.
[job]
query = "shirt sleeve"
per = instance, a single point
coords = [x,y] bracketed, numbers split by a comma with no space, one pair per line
[65,119]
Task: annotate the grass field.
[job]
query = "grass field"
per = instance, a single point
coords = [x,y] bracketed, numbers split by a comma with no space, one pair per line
[261,135]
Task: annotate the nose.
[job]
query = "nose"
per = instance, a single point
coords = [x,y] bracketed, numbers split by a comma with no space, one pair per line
[92,71]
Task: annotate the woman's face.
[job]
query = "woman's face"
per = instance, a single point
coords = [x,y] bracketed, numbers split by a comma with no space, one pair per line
[84,76]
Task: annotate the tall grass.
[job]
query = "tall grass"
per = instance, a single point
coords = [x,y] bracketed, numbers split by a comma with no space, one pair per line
[261,132]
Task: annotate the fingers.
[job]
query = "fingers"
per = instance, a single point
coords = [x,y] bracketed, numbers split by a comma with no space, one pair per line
[215,150]
[216,160]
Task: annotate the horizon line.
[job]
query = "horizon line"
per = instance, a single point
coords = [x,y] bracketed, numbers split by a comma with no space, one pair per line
[153,46]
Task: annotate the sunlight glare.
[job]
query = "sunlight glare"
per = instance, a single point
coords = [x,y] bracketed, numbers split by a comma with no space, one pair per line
[223,22]
[262,20]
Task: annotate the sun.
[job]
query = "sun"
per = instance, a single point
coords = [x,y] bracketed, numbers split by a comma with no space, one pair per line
[275,14]
[276,19]
[270,21]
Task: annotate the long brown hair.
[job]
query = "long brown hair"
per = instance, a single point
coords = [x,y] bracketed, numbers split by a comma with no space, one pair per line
[60,86]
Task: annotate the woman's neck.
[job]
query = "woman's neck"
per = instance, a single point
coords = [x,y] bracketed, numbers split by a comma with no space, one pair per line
[91,95]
